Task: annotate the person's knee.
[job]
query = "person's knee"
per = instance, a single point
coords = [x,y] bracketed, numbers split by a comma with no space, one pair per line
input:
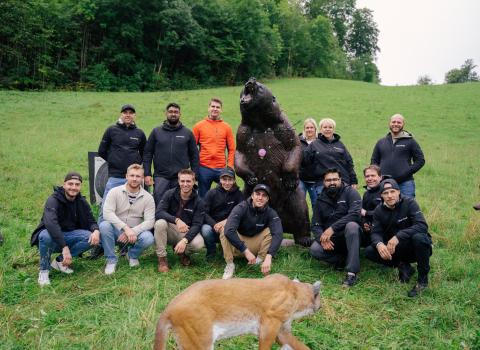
[421,240]
[197,243]
[45,238]
[352,230]
[105,227]
[206,230]
[370,252]
[316,250]
[161,226]
[146,239]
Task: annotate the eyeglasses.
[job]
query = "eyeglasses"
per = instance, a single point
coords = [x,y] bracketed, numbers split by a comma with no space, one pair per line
[332,180]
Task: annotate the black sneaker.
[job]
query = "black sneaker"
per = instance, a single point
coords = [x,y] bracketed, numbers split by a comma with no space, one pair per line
[340,264]
[417,289]
[405,272]
[350,280]
[210,257]
[123,250]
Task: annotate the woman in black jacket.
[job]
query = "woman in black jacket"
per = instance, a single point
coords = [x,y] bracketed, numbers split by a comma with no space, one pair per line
[307,178]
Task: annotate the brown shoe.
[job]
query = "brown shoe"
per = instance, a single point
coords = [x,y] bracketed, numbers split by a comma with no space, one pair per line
[162,264]
[185,260]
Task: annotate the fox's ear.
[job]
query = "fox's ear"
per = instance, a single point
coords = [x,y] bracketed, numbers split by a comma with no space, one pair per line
[316,287]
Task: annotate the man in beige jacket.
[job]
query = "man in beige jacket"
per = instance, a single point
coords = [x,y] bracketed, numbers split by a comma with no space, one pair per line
[129,215]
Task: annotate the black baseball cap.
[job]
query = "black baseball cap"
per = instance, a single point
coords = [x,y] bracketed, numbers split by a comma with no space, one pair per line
[393,184]
[262,187]
[127,106]
[73,175]
[227,172]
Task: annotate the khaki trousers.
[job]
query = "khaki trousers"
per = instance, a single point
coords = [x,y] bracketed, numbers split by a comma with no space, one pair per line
[258,245]
[167,233]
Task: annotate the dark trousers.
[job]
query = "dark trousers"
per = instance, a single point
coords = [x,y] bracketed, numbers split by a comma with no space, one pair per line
[347,246]
[162,185]
[416,249]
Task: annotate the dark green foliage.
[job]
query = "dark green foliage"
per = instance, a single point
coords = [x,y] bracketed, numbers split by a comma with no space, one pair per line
[464,74]
[132,45]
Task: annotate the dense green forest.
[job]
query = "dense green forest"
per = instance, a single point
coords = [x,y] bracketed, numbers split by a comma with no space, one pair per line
[132,45]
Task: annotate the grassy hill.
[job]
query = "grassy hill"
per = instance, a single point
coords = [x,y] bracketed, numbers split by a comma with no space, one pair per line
[45,134]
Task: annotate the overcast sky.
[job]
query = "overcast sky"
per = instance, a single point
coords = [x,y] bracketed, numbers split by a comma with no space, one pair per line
[419,37]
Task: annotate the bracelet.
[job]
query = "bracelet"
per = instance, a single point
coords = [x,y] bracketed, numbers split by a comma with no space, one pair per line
[185,240]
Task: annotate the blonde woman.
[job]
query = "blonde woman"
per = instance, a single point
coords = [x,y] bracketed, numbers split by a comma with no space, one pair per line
[307,178]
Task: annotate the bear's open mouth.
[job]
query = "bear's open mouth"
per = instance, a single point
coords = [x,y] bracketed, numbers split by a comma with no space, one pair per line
[249,90]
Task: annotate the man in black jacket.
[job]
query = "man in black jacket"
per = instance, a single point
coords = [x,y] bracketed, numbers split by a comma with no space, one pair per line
[400,236]
[336,226]
[67,226]
[399,156]
[253,227]
[122,145]
[179,218]
[219,202]
[172,147]
[370,200]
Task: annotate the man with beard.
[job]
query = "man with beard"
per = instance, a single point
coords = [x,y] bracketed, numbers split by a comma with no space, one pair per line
[399,155]
[67,226]
[400,236]
[253,230]
[336,226]
[129,214]
[179,218]
[219,202]
[172,147]
[371,198]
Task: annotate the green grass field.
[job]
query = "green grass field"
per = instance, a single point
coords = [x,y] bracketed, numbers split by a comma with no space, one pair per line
[45,134]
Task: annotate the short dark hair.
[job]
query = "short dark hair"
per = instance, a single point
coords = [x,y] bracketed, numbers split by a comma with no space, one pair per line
[172,104]
[186,172]
[215,99]
[332,171]
[373,167]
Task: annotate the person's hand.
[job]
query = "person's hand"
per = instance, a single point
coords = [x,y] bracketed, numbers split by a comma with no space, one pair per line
[131,235]
[219,225]
[383,251]
[181,226]
[366,227]
[148,180]
[267,264]
[250,257]
[355,186]
[363,212]
[325,240]
[123,238]
[391,244]
[180,246]
[94,238]
[67,257]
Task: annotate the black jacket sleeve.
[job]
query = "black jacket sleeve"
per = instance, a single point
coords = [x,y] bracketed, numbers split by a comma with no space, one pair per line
[148,153]
[377,234]
[376,157]
[317,224]
[354,208]
[276,230]
[162,208]
[141,147]
[231,227]
[105,145]
[50,219]
[207,203]
[418,162]
[92,223]
[350,168]
[193,155]
[197,221]
[418,222]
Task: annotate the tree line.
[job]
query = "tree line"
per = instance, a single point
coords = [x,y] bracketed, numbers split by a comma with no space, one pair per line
[132,45]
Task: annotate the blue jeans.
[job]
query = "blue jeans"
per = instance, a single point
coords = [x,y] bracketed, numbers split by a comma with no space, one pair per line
[109,236]
[76,240]
[407,188]
[313,189]
[111,183]
[205,178]
[210,237]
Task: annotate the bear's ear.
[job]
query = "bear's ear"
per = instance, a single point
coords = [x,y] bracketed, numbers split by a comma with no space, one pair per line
[316,288]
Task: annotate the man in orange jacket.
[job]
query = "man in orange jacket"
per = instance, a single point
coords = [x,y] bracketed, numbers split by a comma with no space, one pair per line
[213,136]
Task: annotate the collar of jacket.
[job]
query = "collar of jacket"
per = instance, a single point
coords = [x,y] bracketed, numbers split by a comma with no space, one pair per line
[336,138]
[125,126]
[166,126]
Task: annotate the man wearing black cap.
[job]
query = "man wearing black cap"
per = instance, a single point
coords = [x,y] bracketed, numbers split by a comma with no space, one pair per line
[122,145]
[219,202]
[400,236]
[252,228]
[67,226]
[336,226]
[172,147]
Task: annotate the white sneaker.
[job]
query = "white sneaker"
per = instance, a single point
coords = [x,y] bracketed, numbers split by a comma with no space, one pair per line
[229,271]
[258,260]
[133,262]
[57,265]
[43,279]
[110,268]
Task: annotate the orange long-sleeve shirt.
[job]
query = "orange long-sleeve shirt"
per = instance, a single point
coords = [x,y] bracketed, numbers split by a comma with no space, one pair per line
[213,137]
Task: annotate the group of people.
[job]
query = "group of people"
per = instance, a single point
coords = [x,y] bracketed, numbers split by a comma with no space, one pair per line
[388,222]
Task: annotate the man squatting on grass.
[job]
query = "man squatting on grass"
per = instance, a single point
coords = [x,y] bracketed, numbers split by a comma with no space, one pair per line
[179,218]
[172,147]
[370,200]
[219,203]
[129,215]
[336,226]
[400,236]
[67,226]
[252,228]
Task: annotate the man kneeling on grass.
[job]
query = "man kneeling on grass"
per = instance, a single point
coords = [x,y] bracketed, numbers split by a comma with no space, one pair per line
[252,228]
[179,217]
[67,226]
[129,215]
[400,236]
